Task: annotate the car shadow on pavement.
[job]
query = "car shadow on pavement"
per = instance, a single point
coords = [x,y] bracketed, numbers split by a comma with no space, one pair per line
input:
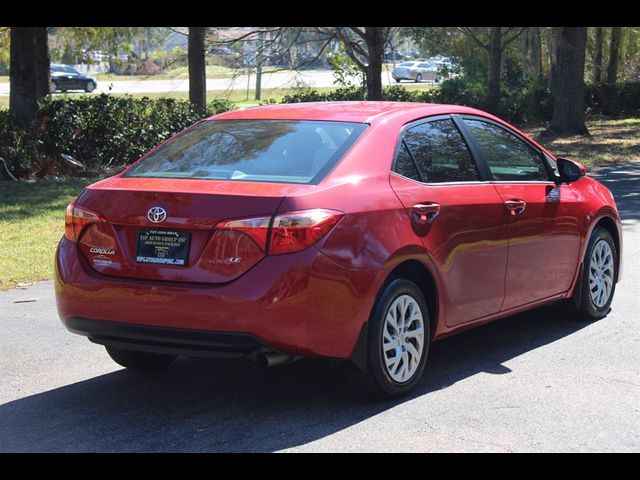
[233,406]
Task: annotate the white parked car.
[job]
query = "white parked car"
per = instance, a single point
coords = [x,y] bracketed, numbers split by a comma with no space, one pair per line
[416,71]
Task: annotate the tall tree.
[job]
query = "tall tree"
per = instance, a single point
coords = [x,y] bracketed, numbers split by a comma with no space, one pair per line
[365,46]
[197,70]
[29,74]
[494,40]
[614,54]
[42,62]
[531,48]
[568,107]
[597,55]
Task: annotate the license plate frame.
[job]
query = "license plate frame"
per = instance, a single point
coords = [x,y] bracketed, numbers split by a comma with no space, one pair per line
[163,247]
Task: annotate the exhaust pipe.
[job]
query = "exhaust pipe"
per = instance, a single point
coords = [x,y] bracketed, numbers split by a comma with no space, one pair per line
[272,359]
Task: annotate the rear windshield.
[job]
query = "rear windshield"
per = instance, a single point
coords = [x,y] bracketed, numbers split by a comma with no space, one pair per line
[289,151]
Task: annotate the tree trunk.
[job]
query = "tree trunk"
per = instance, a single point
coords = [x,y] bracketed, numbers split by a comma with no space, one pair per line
[614,55]
[375,39]
[597,56]
[568,108]
[553,59]
[531,47]
[23,96]
[42,62]
[495,62]
[197,71]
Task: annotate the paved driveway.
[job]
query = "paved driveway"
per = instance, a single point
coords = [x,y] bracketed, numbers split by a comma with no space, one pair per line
[533,382]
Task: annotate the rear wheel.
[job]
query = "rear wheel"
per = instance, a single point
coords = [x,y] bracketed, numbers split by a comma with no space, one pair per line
[397,344]
[53,87]
[598,277]
[141,361]
[418,78]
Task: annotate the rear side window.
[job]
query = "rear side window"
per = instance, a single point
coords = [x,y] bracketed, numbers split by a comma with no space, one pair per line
[508,157]
[404,164]
[440,152]
[289,151]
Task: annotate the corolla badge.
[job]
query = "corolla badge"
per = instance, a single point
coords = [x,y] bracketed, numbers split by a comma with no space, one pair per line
[157,214]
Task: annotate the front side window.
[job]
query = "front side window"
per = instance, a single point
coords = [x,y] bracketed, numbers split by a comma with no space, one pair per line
[508,157]
[289,151]
[440,152]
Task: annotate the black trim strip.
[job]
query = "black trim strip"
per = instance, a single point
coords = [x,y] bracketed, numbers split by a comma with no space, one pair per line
[176,341]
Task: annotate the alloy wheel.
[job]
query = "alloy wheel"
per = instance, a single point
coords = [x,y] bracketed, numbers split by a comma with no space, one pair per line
[601,277]
[403,338]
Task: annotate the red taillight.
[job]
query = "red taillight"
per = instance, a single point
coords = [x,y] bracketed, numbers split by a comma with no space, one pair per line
[257,228]
[76,218]
[295,231]
[289,232]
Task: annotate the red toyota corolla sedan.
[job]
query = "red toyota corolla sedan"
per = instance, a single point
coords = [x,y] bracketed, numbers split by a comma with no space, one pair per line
[359,231]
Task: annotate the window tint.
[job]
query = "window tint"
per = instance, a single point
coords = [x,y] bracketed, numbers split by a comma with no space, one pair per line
[440,152]
[508,157]
[404,165]
[287,151]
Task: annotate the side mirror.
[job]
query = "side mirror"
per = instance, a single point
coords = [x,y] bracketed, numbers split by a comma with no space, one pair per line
[570,170]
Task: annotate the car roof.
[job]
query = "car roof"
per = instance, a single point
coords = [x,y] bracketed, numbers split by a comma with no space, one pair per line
[349,111]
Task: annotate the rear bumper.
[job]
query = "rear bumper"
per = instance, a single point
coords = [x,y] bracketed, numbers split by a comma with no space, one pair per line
[300,304]
[176,341]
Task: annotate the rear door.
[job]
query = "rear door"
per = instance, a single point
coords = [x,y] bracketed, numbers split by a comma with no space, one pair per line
[457,217]
[542,216]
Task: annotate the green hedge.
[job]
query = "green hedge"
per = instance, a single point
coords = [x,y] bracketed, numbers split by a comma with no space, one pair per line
[106,130]
[99,130]
[518,103]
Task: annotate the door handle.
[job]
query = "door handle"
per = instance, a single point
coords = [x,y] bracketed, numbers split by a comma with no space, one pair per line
[424,213]
[515,207]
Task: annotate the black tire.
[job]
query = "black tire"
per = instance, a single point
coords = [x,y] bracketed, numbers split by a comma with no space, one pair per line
[584,308]
[375,381]
[141,361]
[89,87]
[53,88]
[397,80]
[418,78]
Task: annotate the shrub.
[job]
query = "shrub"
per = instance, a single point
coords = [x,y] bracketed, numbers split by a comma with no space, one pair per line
[99,130]
[614,100]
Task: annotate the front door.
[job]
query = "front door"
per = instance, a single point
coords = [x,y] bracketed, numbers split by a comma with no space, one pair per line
[544,236]
[458,218]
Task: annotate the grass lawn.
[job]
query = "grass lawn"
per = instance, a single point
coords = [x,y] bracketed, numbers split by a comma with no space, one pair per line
[32,214]
[611,140]
[31,223]
[212,71]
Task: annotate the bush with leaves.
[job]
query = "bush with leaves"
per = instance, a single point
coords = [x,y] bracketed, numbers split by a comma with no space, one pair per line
[100,130]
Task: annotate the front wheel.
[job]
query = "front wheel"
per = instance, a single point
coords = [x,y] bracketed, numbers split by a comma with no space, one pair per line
[141,361]
[89,87]
[598,276]
[398,342]
[53,87]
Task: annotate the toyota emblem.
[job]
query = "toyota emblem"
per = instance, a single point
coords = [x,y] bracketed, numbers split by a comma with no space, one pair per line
[157,214]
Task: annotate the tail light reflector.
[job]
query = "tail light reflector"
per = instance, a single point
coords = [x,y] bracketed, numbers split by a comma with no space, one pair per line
[76,218]
[287,232]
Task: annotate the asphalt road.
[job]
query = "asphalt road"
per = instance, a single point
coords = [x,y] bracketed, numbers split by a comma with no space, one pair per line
[533,382]
[312,78]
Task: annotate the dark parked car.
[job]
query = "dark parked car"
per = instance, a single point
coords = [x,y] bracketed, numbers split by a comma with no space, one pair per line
[64,77]
[391,56]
